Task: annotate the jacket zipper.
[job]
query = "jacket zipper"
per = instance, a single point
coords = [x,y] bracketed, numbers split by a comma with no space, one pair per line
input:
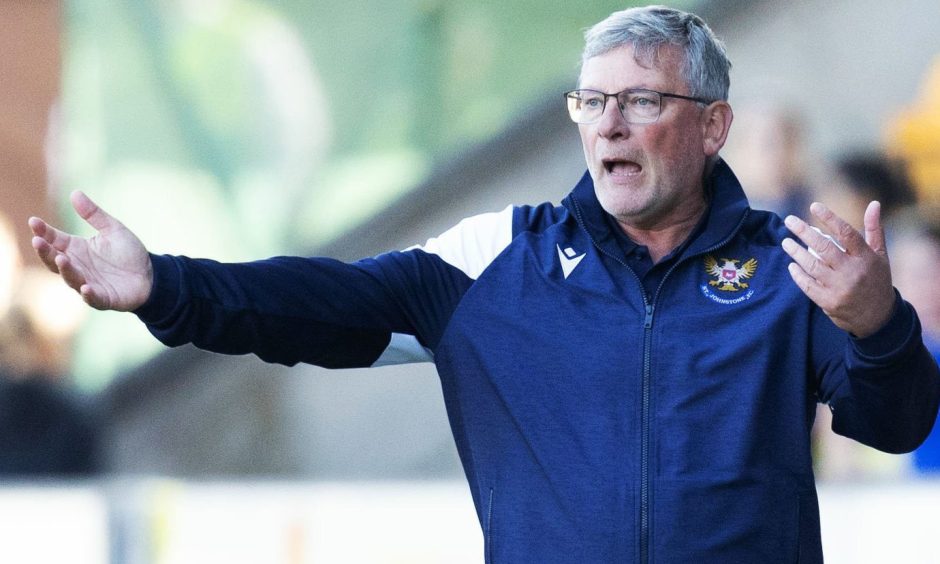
[650,308]
[645,428]
[489,530]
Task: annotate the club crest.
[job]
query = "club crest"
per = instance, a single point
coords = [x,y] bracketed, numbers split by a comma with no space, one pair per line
[729,274]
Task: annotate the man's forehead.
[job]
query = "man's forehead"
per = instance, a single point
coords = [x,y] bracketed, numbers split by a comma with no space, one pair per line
[653,57]
[665,61]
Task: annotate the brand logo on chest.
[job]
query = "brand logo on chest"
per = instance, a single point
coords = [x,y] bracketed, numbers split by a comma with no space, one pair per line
[569,260]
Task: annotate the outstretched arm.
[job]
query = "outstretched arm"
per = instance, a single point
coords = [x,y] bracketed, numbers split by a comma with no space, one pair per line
[111,270]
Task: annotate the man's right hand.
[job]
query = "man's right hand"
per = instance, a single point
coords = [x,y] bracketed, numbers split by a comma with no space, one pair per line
[111,270]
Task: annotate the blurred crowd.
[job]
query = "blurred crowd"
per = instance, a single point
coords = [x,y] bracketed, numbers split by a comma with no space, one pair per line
[47,429]
[769,150]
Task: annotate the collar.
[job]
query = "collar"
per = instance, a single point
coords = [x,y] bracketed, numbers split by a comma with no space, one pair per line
[726,211]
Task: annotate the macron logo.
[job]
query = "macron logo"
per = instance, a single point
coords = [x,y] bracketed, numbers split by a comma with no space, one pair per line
[568,260]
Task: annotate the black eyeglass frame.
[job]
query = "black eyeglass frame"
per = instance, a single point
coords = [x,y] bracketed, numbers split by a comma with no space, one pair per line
[570,95]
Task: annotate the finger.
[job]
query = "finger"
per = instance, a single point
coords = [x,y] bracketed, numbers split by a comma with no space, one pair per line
[874,230]
[843,232]
[91,297]
[55,237]
[807,284]
[72,276]
[811,263]
[37,226]
[90,211]
[46,253]
[819,244]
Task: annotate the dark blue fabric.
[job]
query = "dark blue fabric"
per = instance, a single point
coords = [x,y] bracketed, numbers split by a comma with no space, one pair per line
[45,430]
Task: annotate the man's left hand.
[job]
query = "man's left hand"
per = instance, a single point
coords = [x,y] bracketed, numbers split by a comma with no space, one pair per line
[853,287]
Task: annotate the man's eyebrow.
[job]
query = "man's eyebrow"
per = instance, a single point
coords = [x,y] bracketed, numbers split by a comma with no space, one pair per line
[622,89]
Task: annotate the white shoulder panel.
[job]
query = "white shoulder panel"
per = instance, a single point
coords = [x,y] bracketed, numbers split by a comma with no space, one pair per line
[403,349]
[472,244]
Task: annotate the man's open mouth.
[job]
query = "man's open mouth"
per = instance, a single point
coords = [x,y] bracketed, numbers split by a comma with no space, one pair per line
[621,167]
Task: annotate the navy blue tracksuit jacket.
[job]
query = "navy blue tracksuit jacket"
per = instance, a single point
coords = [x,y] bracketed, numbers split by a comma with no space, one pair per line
[597,422]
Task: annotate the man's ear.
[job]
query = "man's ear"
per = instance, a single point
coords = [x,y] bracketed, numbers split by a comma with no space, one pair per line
[716,122]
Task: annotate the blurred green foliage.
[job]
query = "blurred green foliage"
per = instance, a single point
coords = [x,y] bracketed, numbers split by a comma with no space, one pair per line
[237,129]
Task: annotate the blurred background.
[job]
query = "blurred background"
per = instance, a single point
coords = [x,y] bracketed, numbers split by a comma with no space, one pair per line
[240,129]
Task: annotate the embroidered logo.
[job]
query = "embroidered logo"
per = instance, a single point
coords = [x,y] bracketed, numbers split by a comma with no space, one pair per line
[729,277]
[569,260]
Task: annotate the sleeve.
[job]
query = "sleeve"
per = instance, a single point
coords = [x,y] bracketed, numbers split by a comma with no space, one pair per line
[389,309]
[884,389]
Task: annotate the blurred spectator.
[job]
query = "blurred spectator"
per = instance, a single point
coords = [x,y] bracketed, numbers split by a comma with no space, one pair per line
[915,266]
[44,429]
[10,265]
[858,178]
[855,180]
[914,135]
[767,149]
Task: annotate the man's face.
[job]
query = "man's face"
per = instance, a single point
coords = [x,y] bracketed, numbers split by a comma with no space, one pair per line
[647,176]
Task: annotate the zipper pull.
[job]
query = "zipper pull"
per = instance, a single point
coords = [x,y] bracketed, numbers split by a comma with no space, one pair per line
[648,322]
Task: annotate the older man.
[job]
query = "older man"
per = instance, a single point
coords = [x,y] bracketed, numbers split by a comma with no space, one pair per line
[630,376]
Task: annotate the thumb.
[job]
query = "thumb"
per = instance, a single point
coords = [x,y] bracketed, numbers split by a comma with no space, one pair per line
[874,231]
[90,212]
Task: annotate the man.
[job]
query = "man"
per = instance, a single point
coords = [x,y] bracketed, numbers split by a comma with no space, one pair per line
[630,376]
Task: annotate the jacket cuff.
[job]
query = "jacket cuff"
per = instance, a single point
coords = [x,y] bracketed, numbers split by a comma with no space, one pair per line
[165,292]
[893,336]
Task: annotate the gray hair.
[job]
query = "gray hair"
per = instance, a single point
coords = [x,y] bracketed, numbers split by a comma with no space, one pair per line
[705,65]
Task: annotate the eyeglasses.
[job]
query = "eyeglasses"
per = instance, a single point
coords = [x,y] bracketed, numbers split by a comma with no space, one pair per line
[637,105]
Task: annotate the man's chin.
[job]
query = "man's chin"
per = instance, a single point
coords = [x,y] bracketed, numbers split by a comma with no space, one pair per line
[616,185]
[618,207]
[618,194]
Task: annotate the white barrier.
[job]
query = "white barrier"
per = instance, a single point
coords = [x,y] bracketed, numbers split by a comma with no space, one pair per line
[53,524]
[156,521]
[881,523]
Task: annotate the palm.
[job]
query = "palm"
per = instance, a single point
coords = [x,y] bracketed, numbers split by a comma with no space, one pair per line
[113,264]
[111,270]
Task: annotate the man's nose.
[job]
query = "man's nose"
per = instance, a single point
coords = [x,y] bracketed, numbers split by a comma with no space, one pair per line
[612,122]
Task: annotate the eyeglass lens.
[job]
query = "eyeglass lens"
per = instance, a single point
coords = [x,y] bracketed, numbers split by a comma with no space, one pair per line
[636,106]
